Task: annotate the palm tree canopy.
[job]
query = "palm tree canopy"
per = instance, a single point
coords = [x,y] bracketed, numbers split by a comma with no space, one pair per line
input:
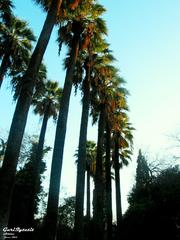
[48,100]
[108,91]
[6,7]
[16,41]
[18,36]
[17,80]
[91,149]
[89,58]
[87,15]
[66,5]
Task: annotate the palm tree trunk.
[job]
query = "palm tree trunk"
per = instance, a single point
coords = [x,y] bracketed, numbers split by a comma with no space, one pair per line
[4,66]
[38,161]
[20,117]
[50,225]
[81,167]
[117,187]
[108,184]
[99,185]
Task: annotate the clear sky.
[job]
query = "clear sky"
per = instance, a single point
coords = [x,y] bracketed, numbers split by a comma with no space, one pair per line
[145,38]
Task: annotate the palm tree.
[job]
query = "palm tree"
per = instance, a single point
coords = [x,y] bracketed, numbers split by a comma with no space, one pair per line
[90,161]
[111,108]
[53,197]
[117,124]
[108,185]
[90,172]
[20,115]
[99,189]
[72,33]
[117,166]
[16,46]
[99,183]
[123,140]
[46,105]
[93,31]
[106,107]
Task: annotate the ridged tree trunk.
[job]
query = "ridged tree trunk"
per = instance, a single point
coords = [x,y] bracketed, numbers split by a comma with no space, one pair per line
[50,225]
[8,172]
[108,184]
[4,66]
[81,166]
[99,184]
[38,160]
[117,187]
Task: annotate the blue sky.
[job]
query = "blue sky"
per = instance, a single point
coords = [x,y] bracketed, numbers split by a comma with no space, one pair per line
[145,38]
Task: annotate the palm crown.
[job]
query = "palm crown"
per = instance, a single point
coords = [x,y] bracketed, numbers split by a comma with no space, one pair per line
[49,100]
[15,46]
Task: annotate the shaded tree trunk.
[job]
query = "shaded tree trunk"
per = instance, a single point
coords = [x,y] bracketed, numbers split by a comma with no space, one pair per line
[50,225]
[99,184]
[117,187]
[18,124]
[38,161]
[81,167]
[108,184]
[4,66]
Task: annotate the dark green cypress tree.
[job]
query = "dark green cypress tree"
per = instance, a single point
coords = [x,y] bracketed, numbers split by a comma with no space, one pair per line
[142,171]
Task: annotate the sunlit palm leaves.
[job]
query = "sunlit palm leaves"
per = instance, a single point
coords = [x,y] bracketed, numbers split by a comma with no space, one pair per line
[15,46]
[48,99]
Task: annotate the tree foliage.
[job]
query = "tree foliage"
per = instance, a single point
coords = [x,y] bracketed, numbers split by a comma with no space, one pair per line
[154,207]
[67,212]
[23,209]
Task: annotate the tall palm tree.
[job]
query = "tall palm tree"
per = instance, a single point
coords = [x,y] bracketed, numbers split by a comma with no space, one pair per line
[108,185]
[86,85]
[53,197]
[111,108]
[123,140]
[90,160]
[99,185]
[103,77]
[125,157]
[71,32]
[20,115]
[16,45]
[46,105]
[106,108]
[108,98]
[90,172]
